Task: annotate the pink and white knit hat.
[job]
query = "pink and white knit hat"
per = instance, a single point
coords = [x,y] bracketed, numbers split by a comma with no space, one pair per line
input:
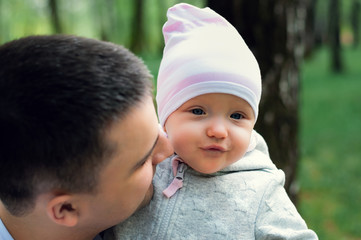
[204,54]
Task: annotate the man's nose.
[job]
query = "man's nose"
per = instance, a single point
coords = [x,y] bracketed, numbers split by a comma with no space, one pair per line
[216,128]
[163,149]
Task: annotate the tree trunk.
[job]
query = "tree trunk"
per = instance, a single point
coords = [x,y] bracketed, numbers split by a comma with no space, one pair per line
[274,30]
[355,22]
[55,19]
[1,24]
[334,35]
[310,35]
[138,27]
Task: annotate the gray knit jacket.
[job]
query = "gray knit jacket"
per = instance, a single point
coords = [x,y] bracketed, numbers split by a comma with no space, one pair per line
[246,200]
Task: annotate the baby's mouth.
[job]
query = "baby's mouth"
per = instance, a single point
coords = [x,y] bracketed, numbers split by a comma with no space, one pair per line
[214,148]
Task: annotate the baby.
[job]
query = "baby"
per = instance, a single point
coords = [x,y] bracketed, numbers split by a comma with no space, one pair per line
[221,183]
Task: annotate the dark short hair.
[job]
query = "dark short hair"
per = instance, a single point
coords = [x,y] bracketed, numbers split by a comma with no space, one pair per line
[58,94]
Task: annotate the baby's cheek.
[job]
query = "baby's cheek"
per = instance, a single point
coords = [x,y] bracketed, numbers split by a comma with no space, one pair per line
[242,143]
[179,143]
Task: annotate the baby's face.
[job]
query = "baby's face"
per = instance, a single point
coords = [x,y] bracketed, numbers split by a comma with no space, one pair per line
[211,131]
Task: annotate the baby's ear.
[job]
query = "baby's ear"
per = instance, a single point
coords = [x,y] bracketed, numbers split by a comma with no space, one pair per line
[252,142]
[163,129]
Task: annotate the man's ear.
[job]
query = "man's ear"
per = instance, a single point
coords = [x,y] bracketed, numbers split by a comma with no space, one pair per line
[62,210]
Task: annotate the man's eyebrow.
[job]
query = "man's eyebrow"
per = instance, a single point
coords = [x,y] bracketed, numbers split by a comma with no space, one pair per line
[141,162]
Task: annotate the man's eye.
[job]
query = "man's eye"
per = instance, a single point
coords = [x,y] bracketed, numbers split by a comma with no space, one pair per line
[197,111]
[144,162]
[236,116]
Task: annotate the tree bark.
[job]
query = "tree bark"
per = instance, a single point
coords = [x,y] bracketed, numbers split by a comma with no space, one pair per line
[138,27]
[355,22]
[310,35]
[1,24]
[334,35]
[55,18]
[274,30]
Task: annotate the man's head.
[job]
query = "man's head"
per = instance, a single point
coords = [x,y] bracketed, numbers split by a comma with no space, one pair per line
[72,109]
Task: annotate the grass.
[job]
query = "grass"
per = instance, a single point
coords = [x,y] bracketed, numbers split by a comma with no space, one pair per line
[330,142]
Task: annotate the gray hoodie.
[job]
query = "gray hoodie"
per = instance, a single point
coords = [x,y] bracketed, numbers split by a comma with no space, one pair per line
[246,200]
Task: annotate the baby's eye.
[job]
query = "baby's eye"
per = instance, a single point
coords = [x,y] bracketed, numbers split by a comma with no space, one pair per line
[197,111]
[236,116]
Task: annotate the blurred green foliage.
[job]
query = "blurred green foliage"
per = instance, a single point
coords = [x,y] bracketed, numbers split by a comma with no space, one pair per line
[89,18]
[330,142]
[330,136]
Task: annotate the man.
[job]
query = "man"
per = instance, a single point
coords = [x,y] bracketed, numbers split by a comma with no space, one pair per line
[79,137]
